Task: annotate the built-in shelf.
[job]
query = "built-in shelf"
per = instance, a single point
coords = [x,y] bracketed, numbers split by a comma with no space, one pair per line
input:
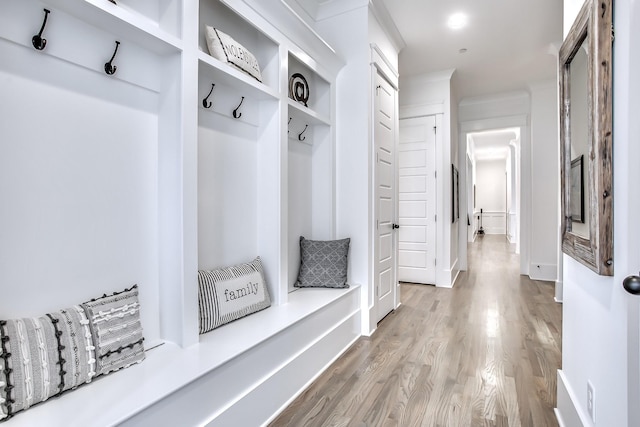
[219,72]
[181,186]
[121,21]
[305,114]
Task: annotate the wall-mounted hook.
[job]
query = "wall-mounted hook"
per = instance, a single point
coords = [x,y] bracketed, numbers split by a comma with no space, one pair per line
[205,102]
[109,68]
[300,137]
[38,41]
[289,122]
[237,115]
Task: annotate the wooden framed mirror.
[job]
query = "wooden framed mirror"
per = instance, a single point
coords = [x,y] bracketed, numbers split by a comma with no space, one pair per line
[586,138]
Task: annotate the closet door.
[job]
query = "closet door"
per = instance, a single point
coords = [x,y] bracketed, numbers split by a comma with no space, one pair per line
[385,196]
[417,200]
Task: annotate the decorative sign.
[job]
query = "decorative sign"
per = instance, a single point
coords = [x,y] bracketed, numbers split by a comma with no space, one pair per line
[224,48]
[299,89]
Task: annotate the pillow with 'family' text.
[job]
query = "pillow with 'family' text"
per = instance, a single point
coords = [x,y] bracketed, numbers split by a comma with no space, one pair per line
[227,294]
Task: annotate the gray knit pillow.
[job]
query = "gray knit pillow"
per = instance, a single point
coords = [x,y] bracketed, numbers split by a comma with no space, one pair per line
[323,263]
[45,356]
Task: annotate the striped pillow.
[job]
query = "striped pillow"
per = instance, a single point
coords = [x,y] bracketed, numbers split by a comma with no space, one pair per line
[45,356]
[227,294]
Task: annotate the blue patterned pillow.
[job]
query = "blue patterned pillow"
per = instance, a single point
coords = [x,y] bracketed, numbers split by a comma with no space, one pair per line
[323,263]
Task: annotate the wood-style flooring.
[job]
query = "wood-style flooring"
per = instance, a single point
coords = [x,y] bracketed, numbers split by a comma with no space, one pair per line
[484,353]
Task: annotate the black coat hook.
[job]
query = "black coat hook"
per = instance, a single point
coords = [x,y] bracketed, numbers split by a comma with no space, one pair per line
[205,102]
[109,68]
[38,41]
[300,137]
[237,115]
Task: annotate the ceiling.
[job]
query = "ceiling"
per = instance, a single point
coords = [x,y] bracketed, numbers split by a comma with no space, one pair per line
[492,145]
[510,43]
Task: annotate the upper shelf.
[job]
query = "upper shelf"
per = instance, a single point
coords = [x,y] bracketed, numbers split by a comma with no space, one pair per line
[126,23]
[306,114]
[228,75]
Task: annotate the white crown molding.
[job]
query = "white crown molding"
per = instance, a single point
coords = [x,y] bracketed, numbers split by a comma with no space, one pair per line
[381,13]
[430,77]
[330,8]
[495,98]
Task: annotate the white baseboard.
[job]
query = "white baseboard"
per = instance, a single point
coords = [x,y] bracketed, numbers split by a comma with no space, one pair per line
[256,386]
[559,292]
[546,272]
[567,411]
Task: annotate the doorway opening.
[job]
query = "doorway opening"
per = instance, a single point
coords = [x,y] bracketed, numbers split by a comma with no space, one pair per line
[493,182]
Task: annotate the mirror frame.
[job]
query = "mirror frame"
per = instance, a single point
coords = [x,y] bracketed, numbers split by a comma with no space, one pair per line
[596,252]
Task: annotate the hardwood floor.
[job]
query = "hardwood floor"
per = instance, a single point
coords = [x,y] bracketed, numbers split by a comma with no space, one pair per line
[484,353]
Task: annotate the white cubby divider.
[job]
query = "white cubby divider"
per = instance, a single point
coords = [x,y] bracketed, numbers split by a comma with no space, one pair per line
[131,176]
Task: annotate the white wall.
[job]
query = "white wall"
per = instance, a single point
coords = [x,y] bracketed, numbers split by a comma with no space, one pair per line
[545,184]
[491,190]
[491,193]
[433,92]
[596,310]
[348,34]
[351,33]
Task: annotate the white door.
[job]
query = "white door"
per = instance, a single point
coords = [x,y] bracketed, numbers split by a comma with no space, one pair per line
[385,196]
[417,200]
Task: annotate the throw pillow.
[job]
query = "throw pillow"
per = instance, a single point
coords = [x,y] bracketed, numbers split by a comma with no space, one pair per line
[45,356]
[227,294]
[323,263]
[224,48]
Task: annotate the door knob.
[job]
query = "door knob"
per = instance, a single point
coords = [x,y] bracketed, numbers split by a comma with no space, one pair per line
[394,226]
[632,284]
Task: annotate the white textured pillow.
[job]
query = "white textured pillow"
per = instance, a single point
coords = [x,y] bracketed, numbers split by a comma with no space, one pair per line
[227,294]
[226,49]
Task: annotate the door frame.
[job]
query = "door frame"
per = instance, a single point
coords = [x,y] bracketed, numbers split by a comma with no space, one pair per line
[379,65]
[522,122]
[436,109]
[432,197]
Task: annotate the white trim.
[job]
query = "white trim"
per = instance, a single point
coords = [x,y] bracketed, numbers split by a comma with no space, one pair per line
[385,20]
[545,272]
[332,8]
[495,98]
[384,66]
[315,377]
[559,292]
[521,121]
[421,110]
[307,26]
[567,412]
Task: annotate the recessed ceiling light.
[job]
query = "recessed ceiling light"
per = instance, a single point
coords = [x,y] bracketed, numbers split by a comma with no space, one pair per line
[463,50]
[457,21]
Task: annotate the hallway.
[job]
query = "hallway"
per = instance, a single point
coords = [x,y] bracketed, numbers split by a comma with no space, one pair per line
[483,353]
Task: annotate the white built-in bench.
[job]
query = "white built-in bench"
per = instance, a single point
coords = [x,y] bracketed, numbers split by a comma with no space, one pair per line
[244,372]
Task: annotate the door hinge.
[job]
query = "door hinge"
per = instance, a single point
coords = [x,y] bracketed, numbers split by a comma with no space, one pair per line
[377,224]
[435,218]
[435,174]
[435,129]
[435,261]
